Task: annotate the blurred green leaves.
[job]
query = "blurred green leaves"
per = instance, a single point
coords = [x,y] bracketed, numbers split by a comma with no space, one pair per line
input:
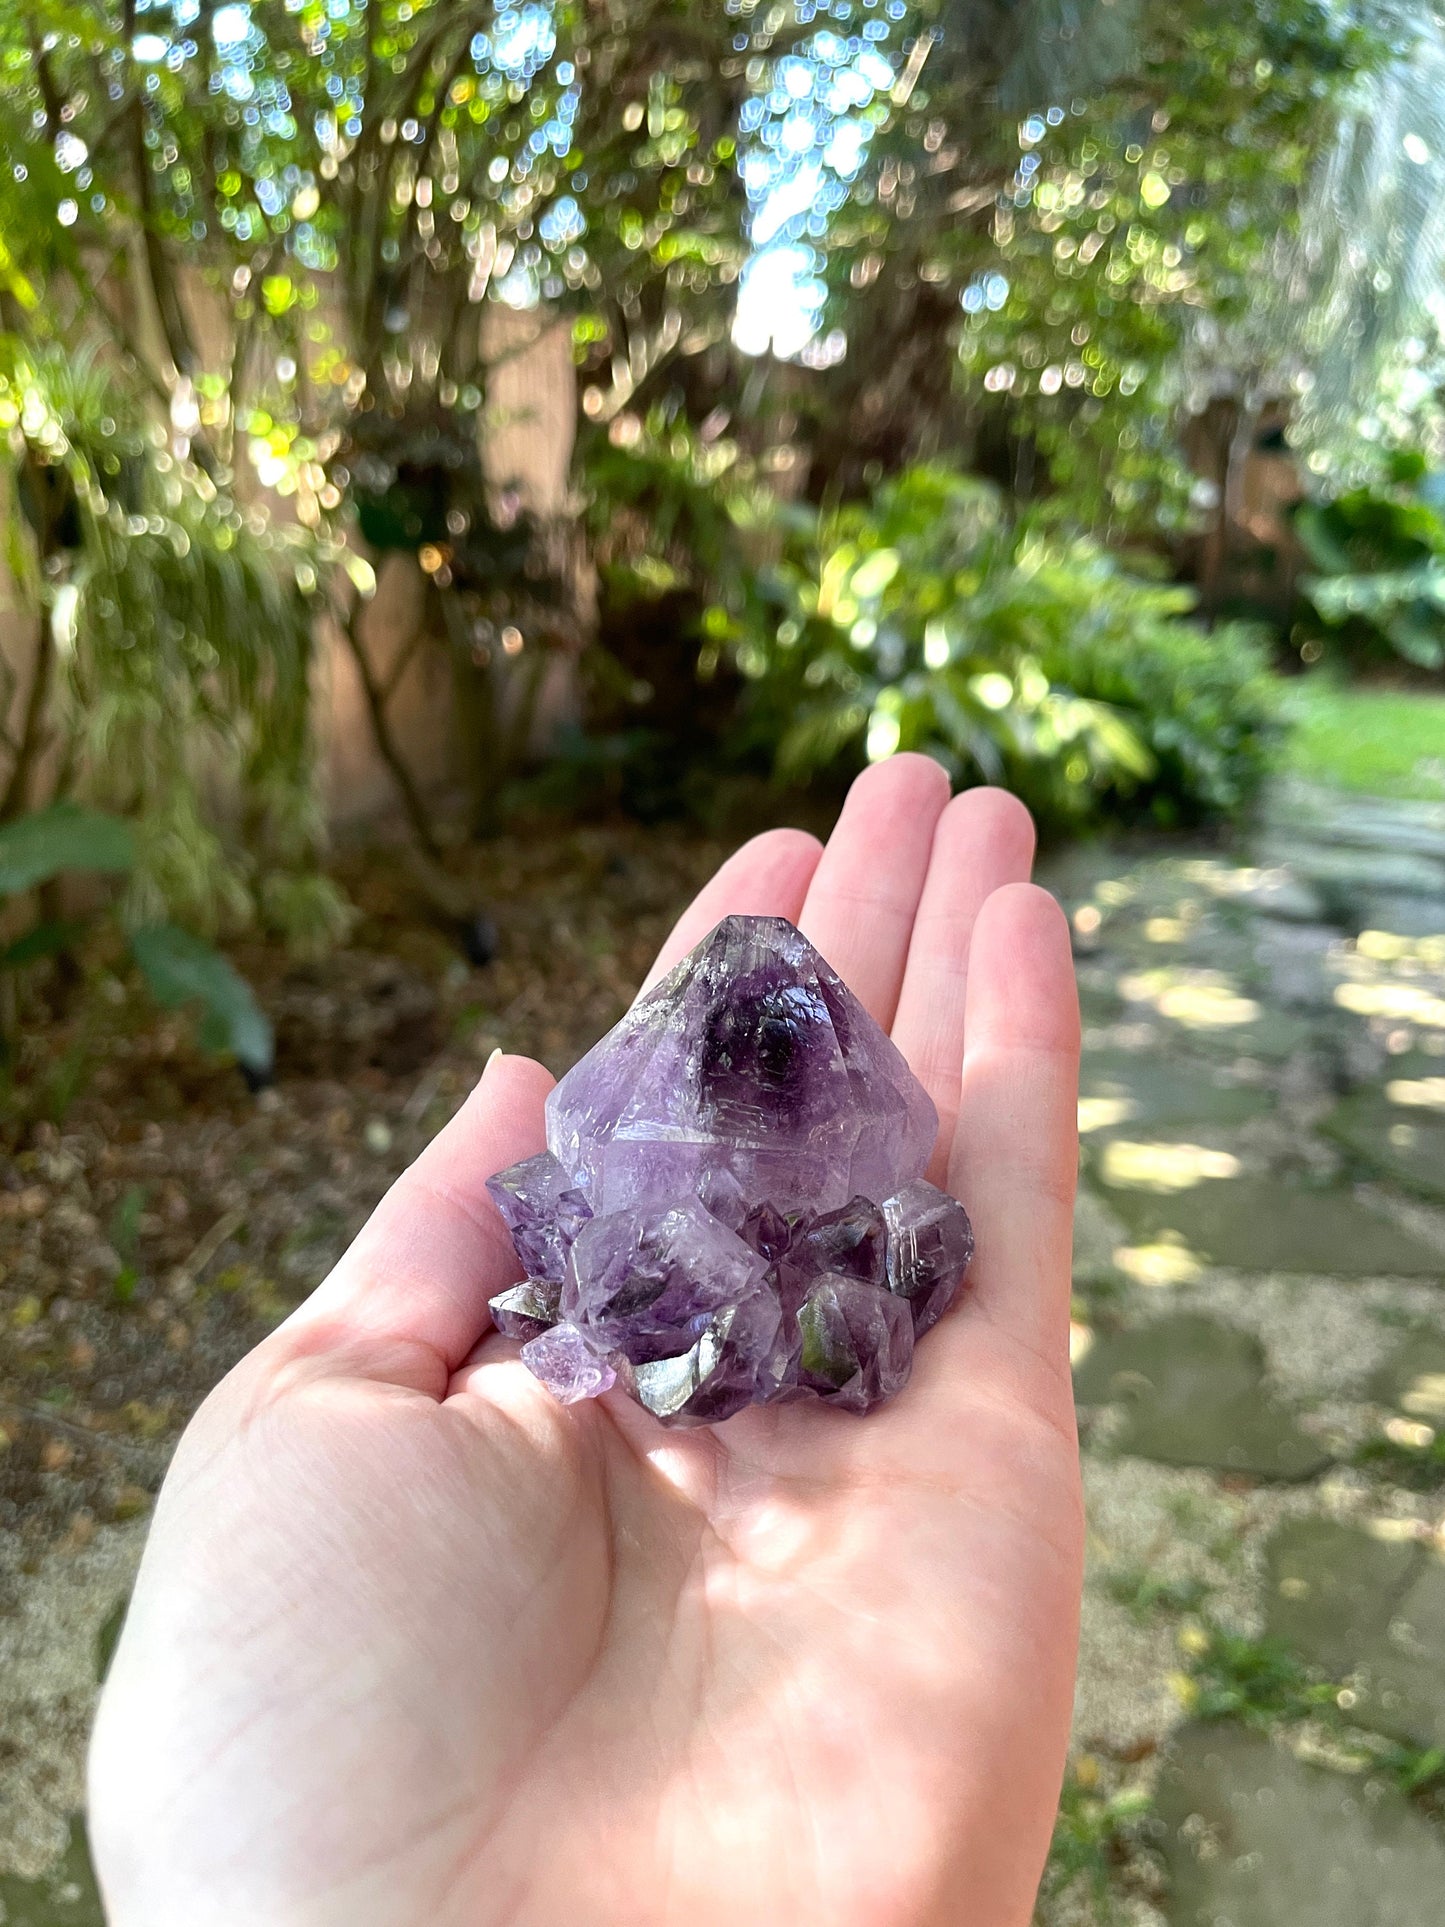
[35,849]
[182,971]
[933,619]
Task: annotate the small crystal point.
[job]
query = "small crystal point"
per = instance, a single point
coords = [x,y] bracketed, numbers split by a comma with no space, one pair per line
[543,1211]
[857,1344]
[731,1208]
[852,1240]
[721,1372]
[526,1310]
[930,1242]
[646,1282]
[568,1365]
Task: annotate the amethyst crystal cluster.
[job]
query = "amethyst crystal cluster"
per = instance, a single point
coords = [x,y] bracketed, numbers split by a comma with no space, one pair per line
[731,1208]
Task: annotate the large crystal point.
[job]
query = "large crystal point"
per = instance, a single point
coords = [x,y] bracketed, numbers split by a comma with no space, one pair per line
[750,1058]
[731,1207]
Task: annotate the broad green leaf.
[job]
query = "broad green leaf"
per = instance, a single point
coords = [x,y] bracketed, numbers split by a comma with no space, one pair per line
[48,842]
[45,940]
[182,969]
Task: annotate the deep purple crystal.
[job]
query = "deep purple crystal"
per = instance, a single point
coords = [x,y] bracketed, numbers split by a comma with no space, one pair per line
[646,1283]
[852,1241]
[930,1242]
[857,1345]
[543,1213]
[731,1208]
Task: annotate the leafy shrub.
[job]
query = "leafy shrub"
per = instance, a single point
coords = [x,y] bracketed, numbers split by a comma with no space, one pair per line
[665,514]
[1379,555]
[172,656]
[180,970]
[928,619]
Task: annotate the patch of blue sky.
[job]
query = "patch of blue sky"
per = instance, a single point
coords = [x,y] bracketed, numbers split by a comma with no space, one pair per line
[804,140]
[562,224]
[522,40]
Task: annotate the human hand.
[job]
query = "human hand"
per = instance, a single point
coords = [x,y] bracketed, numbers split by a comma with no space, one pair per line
[415,1646]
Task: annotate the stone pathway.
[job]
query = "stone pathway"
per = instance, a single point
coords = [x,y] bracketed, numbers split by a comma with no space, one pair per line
[1260,1367]
[1260,1350]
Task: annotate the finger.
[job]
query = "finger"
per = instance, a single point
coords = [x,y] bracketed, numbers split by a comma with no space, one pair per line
[983,840]
[767,877]
[865,890]
[1015,1149]
[435,1249]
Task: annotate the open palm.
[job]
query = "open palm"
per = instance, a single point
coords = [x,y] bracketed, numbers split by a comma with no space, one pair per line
[414,1646]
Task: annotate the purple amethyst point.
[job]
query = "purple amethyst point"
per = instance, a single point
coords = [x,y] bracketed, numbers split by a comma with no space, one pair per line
[852,1240]
[703,1229]
[568,1365]
[930,1242]
[857,1343]
[526,1310]
[646,1283]
[543,1211]
[720,1373]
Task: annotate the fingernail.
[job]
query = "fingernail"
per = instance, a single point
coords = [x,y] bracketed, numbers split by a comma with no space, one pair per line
[491,1060]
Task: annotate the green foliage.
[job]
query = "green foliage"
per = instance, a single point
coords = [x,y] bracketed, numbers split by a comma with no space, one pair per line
[1145,1594]
[1115,242]
[1096,1834]
[1379,553]
[1261,1683]
[35,849]
[181,970]
[176,630]
[1382,742]
[1417,1467]
[930,619]
[1417,1771]
[1031,290]
[1372,226]
[1254,1680]
[124,1234]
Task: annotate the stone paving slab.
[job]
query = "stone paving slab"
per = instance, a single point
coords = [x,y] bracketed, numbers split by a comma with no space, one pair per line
[1400,1138]
[1270,1224]
[1412,1379]
[1369,1610]
[1295,959]
[1362,822]
[1253,1837]
[1405,916]
[1136,1087]
[1231,1008]
[1195,1394]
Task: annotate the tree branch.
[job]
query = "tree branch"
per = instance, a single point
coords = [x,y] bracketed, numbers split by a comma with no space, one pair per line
[417,814]
[33,732]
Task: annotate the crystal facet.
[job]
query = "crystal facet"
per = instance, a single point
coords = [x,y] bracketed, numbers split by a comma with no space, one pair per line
[731,1207]
[528,1309]
[568,1365]
[930,1242]
[543,1212]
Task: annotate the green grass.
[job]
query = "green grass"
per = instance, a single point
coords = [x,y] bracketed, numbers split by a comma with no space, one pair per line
[1385,742]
